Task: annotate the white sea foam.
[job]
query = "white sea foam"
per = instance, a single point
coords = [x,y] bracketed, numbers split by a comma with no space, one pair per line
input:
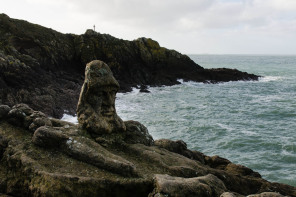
[249,133]
[70,118]
[135,91]
[180,80]
[269,78]
[226,127]
[189,83]
[192,83]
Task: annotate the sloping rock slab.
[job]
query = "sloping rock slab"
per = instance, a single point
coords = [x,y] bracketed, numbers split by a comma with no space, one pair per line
[208,185]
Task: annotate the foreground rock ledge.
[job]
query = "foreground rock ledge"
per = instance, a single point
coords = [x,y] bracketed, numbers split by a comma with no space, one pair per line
[43,156]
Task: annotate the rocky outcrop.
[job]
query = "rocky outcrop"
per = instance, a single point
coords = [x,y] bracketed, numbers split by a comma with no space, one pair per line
[180,147]
[64,160]
[166,185]
[45,69]
[41,156]
[82,149]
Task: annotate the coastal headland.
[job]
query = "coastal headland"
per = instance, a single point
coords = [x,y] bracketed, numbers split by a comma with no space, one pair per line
[45,69]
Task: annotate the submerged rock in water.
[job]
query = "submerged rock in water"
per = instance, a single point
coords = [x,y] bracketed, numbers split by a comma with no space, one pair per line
[144,89]
[96,106]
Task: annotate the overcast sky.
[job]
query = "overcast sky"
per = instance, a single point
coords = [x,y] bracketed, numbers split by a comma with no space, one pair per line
[188,26]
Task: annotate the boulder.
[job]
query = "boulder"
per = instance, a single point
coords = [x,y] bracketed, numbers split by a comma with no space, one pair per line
[24,116]
[166,185]
[217,162]
[36,120]
[144,89]
[86,150]
[4,109]
[137,133]
[3,145]
[82,149]
[49,137]
[180,147]
[266,194]
[18,114]
[241,170]
[229,194]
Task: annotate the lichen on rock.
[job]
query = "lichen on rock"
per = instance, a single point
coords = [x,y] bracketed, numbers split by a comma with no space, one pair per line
[208,185]
[137,133]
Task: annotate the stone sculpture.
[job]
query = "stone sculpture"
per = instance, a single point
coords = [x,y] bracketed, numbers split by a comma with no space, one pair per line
[96,107]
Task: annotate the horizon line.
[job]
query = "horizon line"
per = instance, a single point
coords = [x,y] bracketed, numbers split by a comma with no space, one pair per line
[243,54]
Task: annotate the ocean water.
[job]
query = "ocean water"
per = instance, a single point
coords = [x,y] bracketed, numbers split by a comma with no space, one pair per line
[250,123]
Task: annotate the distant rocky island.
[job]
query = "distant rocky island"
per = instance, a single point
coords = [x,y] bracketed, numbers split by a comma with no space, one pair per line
[45,69]
[106,156]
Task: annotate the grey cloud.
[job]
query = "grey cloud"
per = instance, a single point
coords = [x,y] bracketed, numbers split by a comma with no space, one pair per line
[192,15]
[144,13]
[194,26]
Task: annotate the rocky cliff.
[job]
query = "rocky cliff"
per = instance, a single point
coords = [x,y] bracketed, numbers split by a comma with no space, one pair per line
[44,68]
[104,156]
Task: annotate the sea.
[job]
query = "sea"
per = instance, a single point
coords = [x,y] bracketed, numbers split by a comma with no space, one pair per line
[252,123]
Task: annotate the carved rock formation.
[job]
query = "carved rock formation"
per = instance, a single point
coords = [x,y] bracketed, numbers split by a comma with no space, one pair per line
[96,106]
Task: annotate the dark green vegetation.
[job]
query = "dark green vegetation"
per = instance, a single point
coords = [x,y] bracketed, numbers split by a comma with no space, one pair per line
[45,69]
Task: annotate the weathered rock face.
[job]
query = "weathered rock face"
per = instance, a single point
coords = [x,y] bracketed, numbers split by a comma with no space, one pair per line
[180,147]
[96,107]
[44,68]
[136,133]
[208,185]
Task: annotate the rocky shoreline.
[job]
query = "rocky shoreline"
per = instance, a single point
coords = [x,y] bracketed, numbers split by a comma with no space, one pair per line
[44,68]
[105,156]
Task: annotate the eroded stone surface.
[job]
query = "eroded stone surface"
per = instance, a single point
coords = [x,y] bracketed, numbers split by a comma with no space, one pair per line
[4,109]
[208,185]
[229,194]
[267,194]
[180,147]
[82,149]
[137,133]
[96,107]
